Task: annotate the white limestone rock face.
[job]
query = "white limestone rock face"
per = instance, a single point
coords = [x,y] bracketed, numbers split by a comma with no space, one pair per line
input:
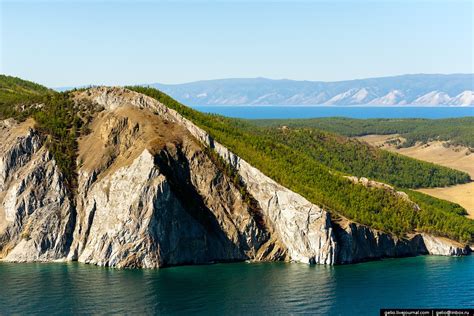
[118,211]
[36,217]
[135,218]
[302,227]
[444,247]
[166,204]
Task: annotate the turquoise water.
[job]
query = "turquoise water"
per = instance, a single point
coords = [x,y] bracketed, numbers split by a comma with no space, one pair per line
[239,288]
[267,112]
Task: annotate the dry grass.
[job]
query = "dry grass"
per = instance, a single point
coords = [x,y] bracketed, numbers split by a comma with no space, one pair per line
[380,141]
[12,130]
[462,194]
[119,136]
[456,157]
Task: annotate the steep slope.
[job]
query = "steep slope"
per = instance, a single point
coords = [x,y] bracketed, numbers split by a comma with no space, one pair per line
[149,196]
[301,228]
[154,189]
[36,213]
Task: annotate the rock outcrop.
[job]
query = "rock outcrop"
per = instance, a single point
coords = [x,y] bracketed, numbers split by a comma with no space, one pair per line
[444,247]
[380,185]
[159,200]
[360,243]
[150,195]
[36,214]
[303,228]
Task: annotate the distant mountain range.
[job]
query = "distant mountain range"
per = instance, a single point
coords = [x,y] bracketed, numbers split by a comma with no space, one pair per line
[421,89]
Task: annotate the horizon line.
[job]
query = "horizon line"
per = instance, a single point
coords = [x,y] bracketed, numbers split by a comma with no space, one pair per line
[254,78]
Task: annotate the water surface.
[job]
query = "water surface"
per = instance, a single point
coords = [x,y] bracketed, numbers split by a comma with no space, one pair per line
[239,288]
[362,112]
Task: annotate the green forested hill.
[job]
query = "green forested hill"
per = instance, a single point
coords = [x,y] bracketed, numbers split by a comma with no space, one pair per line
[20,86]
[298,170]
[16,94]
[458,131]
[360,159]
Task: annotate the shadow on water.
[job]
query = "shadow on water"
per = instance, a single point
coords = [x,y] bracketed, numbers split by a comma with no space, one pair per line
[239,288]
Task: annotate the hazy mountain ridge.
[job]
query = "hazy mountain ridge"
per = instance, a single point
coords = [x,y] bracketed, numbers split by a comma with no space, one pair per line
[451,90]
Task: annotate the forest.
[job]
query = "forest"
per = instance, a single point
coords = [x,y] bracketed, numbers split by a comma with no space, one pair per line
[458,131]
[360,159]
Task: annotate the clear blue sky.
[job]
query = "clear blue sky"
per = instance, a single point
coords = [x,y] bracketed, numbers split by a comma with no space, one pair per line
[62,43]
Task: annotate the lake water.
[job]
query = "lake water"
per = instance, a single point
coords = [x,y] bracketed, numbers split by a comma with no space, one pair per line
[239,288]
[268,112]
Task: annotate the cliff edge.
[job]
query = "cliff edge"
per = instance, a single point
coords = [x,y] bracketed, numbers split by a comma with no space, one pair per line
[154,190]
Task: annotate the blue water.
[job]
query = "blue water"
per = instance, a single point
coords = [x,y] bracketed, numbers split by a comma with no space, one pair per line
[275,112]
[240,288]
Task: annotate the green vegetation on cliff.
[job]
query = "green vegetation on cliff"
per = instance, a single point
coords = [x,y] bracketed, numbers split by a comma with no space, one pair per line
[56,115]
[58,120]
[299,170]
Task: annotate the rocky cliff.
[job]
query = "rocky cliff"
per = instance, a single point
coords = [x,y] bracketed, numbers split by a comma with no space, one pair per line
[150,194]
[36,213]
